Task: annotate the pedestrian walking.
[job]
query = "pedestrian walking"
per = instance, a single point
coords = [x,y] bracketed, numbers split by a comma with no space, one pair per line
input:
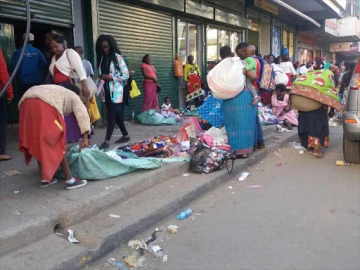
[313,126]
[114,72]
[4,100]
[150,85]
[62,64]
[42,130]
[32,66]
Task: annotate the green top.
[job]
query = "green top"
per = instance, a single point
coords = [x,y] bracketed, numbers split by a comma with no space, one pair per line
[322,80]
[250,64]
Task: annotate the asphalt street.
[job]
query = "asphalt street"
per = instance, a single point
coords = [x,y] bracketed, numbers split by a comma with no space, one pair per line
[294,211]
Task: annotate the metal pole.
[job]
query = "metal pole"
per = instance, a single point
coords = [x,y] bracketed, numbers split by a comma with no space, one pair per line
[22,51]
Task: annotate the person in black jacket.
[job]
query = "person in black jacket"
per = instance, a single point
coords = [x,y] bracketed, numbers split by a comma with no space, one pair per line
[346,78]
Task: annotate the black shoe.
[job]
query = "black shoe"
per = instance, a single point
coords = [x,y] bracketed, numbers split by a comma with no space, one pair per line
[77,184]
[123,140]
[46,184]
[104,146]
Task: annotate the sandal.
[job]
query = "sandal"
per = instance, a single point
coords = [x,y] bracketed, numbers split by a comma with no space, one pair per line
[5,158]
[242,156]
[318,155]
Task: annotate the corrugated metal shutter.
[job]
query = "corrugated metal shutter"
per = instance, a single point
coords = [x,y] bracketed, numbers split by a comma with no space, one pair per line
[53,12]
[140,31]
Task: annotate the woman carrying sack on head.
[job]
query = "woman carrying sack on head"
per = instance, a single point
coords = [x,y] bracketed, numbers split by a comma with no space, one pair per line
[114,72]
[62,64]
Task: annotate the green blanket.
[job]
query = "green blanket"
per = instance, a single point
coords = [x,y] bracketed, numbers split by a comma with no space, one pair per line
[318,85]
[152,118]
[93,164]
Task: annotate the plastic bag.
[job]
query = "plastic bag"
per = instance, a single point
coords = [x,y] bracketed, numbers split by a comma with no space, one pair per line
[195,122]
[226,79]
[93,164]
[135,92]
[93,110]
[152,118]
[199,158]
[211,111]
[280,76]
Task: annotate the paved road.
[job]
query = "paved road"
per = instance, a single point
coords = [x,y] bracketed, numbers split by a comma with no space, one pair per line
[305,216]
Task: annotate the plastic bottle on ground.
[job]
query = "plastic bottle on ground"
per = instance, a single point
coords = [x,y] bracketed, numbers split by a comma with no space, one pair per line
[185,214]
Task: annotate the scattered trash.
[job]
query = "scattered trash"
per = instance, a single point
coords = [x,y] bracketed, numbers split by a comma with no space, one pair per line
[297,145]
[232,192]
[141,261]
[185,214]
[137,244]
[112,261]
[12,173]
[243,176]
[114,216]
[165,258]
[108,187]
[17,213]
[279,164]
[185,174]
[118,264]
[16,191]
[254,186]
[230,187]
[131,261]
[301,152]
[157,251]
[280,129]
[71,237]
[172,228]
[59,234]
[342,163]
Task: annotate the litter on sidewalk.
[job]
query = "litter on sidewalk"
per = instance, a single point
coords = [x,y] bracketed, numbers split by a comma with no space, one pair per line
[243,176]
[254,186]
[114,216]
[71,237]
[12,173]
[172,228]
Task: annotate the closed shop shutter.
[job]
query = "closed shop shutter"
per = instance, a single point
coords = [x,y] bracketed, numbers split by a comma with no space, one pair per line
[139,31]
[53,12]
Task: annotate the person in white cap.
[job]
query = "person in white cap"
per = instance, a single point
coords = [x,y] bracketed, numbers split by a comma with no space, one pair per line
[32,66]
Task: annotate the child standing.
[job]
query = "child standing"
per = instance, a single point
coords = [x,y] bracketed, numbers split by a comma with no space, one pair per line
[167,111]
[251,65]
[281,107]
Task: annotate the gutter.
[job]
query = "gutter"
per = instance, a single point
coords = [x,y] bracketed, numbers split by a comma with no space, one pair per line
[281,3]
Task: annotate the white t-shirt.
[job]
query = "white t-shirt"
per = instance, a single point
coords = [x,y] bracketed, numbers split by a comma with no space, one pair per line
[303,69]
[166,107]
[288,67]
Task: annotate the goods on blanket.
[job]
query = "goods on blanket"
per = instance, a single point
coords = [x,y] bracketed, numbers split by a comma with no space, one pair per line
[185,133]
[266,117]
[211,111]
[93,164]
[206,159]
[266,72]
[279,76]
[304,104]
[215,136]
[226,80]
[193,87]
[195,122]
[316,85]
[153,118]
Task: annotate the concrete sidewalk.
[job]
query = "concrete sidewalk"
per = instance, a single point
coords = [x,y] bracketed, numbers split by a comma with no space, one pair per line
[29,215]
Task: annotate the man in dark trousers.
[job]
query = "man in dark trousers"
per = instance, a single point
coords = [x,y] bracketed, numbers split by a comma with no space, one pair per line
[5,98]
[32,66]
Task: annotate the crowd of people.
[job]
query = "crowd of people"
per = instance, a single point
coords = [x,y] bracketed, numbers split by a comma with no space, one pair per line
[51,115]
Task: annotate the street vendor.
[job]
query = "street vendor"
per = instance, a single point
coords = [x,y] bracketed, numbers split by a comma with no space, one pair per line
[191,68]
[192,81]
[280,102]
[42,130]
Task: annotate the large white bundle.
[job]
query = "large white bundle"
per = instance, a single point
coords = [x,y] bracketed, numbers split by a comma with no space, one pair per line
[226,80]
[280,76]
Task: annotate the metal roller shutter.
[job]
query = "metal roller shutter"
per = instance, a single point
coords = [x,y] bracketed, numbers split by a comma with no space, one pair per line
[53,12]
[140,31]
